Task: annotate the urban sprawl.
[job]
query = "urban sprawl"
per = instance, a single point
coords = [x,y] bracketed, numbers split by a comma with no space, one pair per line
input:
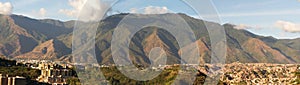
[235,73]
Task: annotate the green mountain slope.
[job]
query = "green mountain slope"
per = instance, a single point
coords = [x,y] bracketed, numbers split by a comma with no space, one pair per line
[20,35]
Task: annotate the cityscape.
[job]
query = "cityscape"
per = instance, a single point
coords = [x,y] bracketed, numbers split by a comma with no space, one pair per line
[57,73]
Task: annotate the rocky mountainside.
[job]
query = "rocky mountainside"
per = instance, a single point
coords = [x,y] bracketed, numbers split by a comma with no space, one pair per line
[23,37]
[51,49]
[19,34]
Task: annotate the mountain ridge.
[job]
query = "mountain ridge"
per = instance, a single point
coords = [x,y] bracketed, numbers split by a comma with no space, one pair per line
[243,46]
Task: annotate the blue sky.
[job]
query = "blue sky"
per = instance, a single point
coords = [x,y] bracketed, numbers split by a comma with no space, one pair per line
[277,18]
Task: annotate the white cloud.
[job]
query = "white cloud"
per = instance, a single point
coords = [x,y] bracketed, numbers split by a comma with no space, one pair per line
[42,12]
[242,26]
[89,10]
[288,26]
[39,14]
[134,10]
[155,10]
[150,10]
[6,8]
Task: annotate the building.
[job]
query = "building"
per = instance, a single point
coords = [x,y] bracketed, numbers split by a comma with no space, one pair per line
[5,80]
[54,73]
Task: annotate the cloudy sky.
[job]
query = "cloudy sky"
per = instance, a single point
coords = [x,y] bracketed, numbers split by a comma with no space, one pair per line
[277,18]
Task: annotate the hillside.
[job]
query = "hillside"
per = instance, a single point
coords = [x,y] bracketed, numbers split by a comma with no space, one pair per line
[20,34]
[26,37]
[51,49]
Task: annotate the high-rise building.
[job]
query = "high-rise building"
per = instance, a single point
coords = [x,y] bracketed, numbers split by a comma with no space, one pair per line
[5,80]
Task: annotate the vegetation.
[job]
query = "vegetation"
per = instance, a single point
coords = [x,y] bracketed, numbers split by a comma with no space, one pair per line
[5,62]
[20,71]
[297,81]
[115,77]
[9,67]
[73,81]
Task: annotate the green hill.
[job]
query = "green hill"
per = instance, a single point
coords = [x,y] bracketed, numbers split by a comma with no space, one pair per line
[20,35]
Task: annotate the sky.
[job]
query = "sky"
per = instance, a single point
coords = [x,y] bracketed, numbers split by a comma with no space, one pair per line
[277,18]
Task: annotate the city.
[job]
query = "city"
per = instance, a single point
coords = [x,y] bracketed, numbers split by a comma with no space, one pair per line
[57,73]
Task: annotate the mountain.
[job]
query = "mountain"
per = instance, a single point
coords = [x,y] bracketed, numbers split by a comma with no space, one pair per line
[23,37]
[20,34]
[51,49]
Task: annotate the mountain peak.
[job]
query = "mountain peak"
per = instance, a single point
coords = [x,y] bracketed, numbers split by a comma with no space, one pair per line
[27,38]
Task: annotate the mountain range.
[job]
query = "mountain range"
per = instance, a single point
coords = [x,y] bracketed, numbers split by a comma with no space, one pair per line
[22,37]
